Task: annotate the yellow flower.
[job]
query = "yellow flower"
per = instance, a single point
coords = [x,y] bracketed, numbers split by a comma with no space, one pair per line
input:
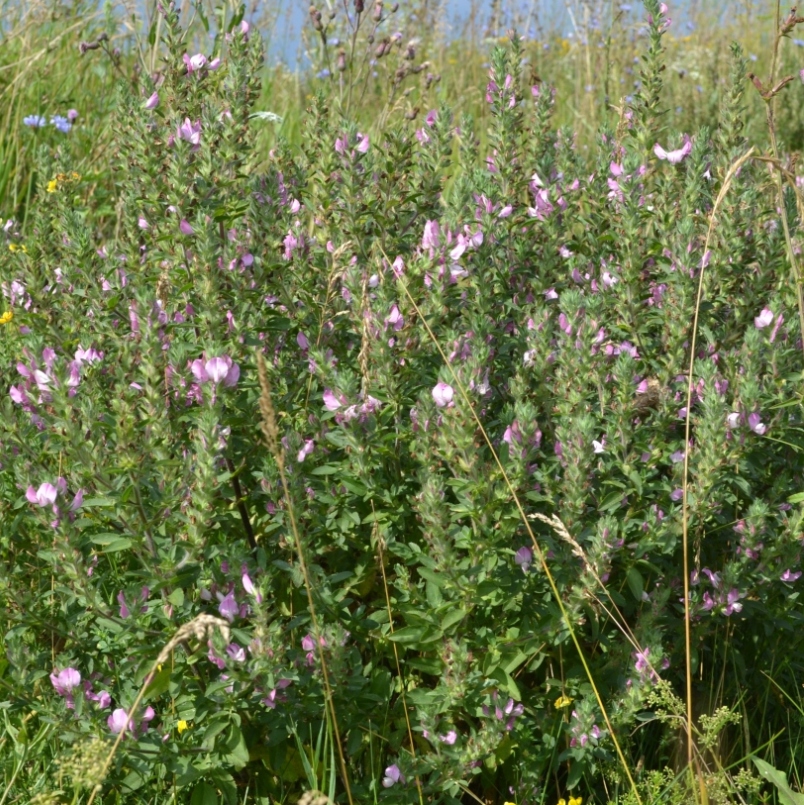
[509,803]
[12,247]
[562,801]
[182,726]
[52,185]
[6,317]
[562,701]
[576,801]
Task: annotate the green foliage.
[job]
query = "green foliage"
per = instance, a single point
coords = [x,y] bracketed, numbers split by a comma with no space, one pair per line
[476,351]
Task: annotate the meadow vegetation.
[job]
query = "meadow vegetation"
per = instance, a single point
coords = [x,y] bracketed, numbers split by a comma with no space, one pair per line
[421,425]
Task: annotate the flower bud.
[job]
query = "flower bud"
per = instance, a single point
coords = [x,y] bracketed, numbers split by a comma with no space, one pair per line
[376,15]
[341,60]
[360,6]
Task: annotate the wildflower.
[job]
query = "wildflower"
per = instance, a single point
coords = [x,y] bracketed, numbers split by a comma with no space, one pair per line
[119,721]
[309,446]
[524,558]
[562,701]
[331,401]
[152,103]
[248,586]
[599,446]
[6,317]
[61,123]
[194,63]
[222,369]
[35,121]
[191,132]
[72,115]
[674,157]
[443,394]
[44,496]
[395,319]
[763,319]
[228,607]
[185,227]
[65,681]
[756,425]
[182,726]
[392,776]
[449,738]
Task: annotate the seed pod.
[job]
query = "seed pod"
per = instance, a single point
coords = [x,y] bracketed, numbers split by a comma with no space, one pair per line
[394,8]
[341,60]
[411,115]
[410,52]
[360,6]
[315,17]
[376,15]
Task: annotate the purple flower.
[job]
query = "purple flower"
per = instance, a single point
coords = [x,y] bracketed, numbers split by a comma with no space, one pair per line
[72,115]
[755,424]
[307,448]
[674,157]
[443,394]
[395,319]
[119,721]
[194,63]
[65,681]
[764,319]
[732,602]
[788,576]
[449,738]
[44,496]
[331,401]
[392,776]
[152,102]
[524,558]
[308,643]
[35,121]
[362,143]
[222,369]
[191,132]
[248,586]
[301,340]
[185,227]
[237,653]
[228,607]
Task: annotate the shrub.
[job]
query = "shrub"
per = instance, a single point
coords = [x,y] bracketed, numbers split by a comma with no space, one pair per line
[363,469]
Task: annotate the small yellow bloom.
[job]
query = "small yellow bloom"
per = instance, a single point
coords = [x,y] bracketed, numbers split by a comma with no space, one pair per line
[52,185]
[576,801]
[562,701]
[509,803]
[562,801]
[6,317]
[12,247]
[182,726]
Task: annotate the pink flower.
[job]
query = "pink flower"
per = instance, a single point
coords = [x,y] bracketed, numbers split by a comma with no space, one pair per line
[228,607]
[191,132]
[331,401]
[449,738]
[194,62]
[362,143]
[44,496]
[307,448]
[301,340]
[222,369]
[395,319]
[248,586]
[184,226]
[65,681]
[763,319]
[755,424]
[443,394]
[392,776]
[788,576]
[153,101]
[674,157]
[308,643]
[119,721]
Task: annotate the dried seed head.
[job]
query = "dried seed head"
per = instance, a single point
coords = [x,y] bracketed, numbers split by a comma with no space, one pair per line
[315,18]
[376,15]
[411,114]
[410,52]
[341,64]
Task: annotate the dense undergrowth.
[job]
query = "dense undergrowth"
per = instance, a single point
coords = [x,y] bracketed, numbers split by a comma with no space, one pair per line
[437,460]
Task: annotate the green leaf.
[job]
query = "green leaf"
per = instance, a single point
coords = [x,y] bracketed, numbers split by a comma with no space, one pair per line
[236,751]
[797,498]
[177,597]
[779,779]
[635,583]
[159,684]
[413,635]
[204,794]
[111,543]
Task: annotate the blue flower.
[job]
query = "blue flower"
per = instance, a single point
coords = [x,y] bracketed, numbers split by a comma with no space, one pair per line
[61,123]
[35,121]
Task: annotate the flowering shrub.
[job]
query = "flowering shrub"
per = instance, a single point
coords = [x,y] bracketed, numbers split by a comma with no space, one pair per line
[275,447]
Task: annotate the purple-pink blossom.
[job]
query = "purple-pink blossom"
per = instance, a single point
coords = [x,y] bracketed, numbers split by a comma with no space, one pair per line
[674,157]
[392,776]
[65,681]
[443,394]
[764,319]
